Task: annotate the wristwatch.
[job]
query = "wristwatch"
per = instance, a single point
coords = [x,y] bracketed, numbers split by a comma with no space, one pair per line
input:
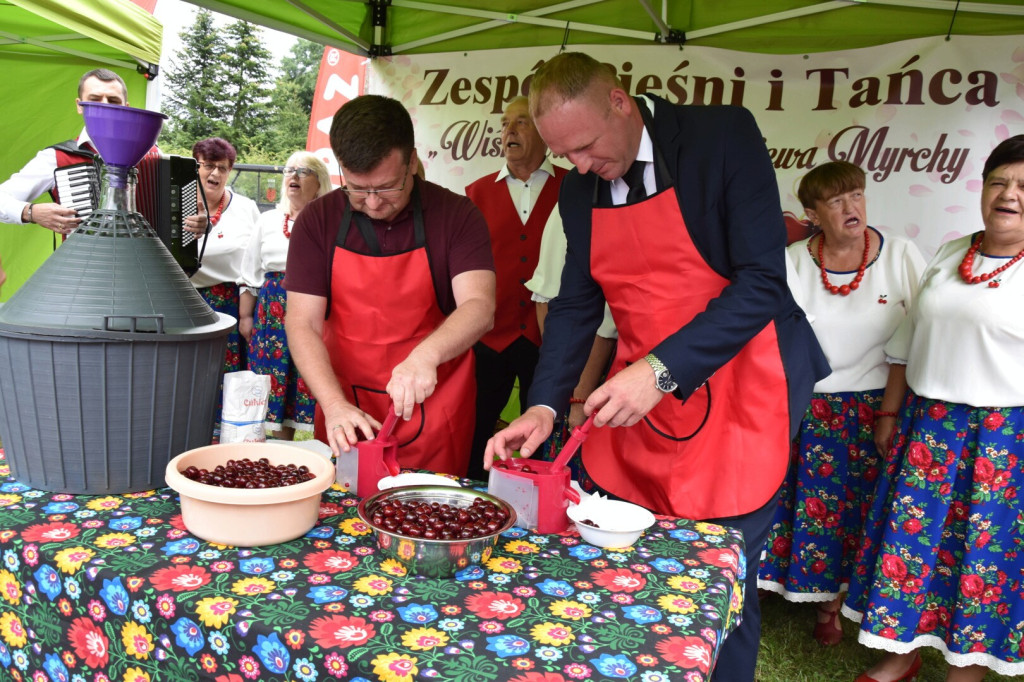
[663,378]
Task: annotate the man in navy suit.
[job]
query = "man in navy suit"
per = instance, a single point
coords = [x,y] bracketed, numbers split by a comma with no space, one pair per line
[672,216]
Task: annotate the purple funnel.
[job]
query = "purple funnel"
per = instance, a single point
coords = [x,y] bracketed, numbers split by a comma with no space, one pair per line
[122,135]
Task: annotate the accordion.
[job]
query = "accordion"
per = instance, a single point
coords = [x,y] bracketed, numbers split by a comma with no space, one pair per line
[165,195]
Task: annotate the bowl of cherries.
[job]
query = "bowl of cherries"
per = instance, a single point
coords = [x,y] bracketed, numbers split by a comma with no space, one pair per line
[249,494]
[436,531]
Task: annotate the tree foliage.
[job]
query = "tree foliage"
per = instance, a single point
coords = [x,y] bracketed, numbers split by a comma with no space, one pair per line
[195,97]
[248,82]
[220,84]
[301,68]
[292,101]
[291,121]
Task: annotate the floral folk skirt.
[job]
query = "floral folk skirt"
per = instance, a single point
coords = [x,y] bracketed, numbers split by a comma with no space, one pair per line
[830,484]
[290,402]
[942,558]
[223,298]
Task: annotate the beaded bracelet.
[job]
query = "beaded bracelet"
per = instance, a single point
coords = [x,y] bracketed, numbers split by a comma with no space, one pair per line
[883,413]
[576,401]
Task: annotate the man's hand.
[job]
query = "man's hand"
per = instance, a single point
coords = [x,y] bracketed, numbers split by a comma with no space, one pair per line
[345,422]
[54,217]
[412,381]
[626,398]
[525,434]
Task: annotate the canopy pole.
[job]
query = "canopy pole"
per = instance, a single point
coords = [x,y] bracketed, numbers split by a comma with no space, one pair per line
[379,21]
[769,18]
[663,28]
[333,25]
[971,7]
[533,17]
[357,46]
[49,45]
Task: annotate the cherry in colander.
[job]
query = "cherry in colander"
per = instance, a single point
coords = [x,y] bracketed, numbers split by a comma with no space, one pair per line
[246,473]
[437,521]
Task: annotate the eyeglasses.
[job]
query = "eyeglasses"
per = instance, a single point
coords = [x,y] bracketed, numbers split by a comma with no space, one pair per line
[214,166]
[382,193]
[298,171]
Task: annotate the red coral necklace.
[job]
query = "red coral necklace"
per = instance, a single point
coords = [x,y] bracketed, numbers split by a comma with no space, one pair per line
[284,228]
[220,209]
[967,265]
[845,289]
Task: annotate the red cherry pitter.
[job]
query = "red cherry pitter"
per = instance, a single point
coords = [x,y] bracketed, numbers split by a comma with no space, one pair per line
[360,471]
[540,492]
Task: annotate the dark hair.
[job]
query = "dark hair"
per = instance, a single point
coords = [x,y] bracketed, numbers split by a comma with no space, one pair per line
[214,149]
[829,180]
[1010,150]
[568,76]
[367,129]
[105,75]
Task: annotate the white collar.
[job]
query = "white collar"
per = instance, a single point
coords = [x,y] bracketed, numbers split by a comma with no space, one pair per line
[646,151]
[83,138]
[545,166]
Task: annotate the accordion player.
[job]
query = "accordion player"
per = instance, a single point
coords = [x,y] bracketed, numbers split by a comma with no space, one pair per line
[166,193]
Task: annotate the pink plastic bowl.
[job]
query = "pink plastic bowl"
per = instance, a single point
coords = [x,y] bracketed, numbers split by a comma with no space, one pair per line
[244,517]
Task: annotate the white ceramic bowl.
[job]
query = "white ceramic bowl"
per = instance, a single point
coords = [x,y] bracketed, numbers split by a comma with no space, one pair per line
[610,523]
[249,517]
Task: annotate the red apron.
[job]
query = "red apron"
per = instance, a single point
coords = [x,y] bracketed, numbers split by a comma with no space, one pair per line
[381,307]
[724,450]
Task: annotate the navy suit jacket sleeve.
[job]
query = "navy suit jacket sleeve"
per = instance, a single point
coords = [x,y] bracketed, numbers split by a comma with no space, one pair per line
[729,198]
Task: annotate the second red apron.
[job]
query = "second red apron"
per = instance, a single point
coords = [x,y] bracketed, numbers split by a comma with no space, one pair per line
[722,451]
[381,307]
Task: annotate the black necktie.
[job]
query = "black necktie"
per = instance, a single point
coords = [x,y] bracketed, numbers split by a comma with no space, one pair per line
[634,179]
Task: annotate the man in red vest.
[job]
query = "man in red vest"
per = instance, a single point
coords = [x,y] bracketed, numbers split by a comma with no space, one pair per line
[36,177]
[518,202]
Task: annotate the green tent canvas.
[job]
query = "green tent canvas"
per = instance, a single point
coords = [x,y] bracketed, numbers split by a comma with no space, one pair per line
[771,26]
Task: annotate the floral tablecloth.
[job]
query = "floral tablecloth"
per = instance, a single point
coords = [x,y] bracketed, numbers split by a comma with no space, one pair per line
[113,588]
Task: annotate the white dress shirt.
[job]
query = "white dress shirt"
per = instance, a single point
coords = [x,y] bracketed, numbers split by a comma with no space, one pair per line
[31,182]
[227,242]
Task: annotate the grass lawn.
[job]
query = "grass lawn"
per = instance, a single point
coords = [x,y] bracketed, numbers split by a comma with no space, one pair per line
[790,654]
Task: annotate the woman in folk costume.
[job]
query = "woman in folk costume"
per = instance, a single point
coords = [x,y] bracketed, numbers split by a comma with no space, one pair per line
[232,219]
[290,405]
[856,286]
[941,562]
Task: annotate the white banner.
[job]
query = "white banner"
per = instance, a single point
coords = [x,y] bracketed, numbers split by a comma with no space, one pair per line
[919,116]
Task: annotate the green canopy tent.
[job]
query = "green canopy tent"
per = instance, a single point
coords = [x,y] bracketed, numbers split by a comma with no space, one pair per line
[45,47]
[383,27]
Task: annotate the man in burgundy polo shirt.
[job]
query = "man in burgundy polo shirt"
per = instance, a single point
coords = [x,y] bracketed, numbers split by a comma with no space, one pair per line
[390,282]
